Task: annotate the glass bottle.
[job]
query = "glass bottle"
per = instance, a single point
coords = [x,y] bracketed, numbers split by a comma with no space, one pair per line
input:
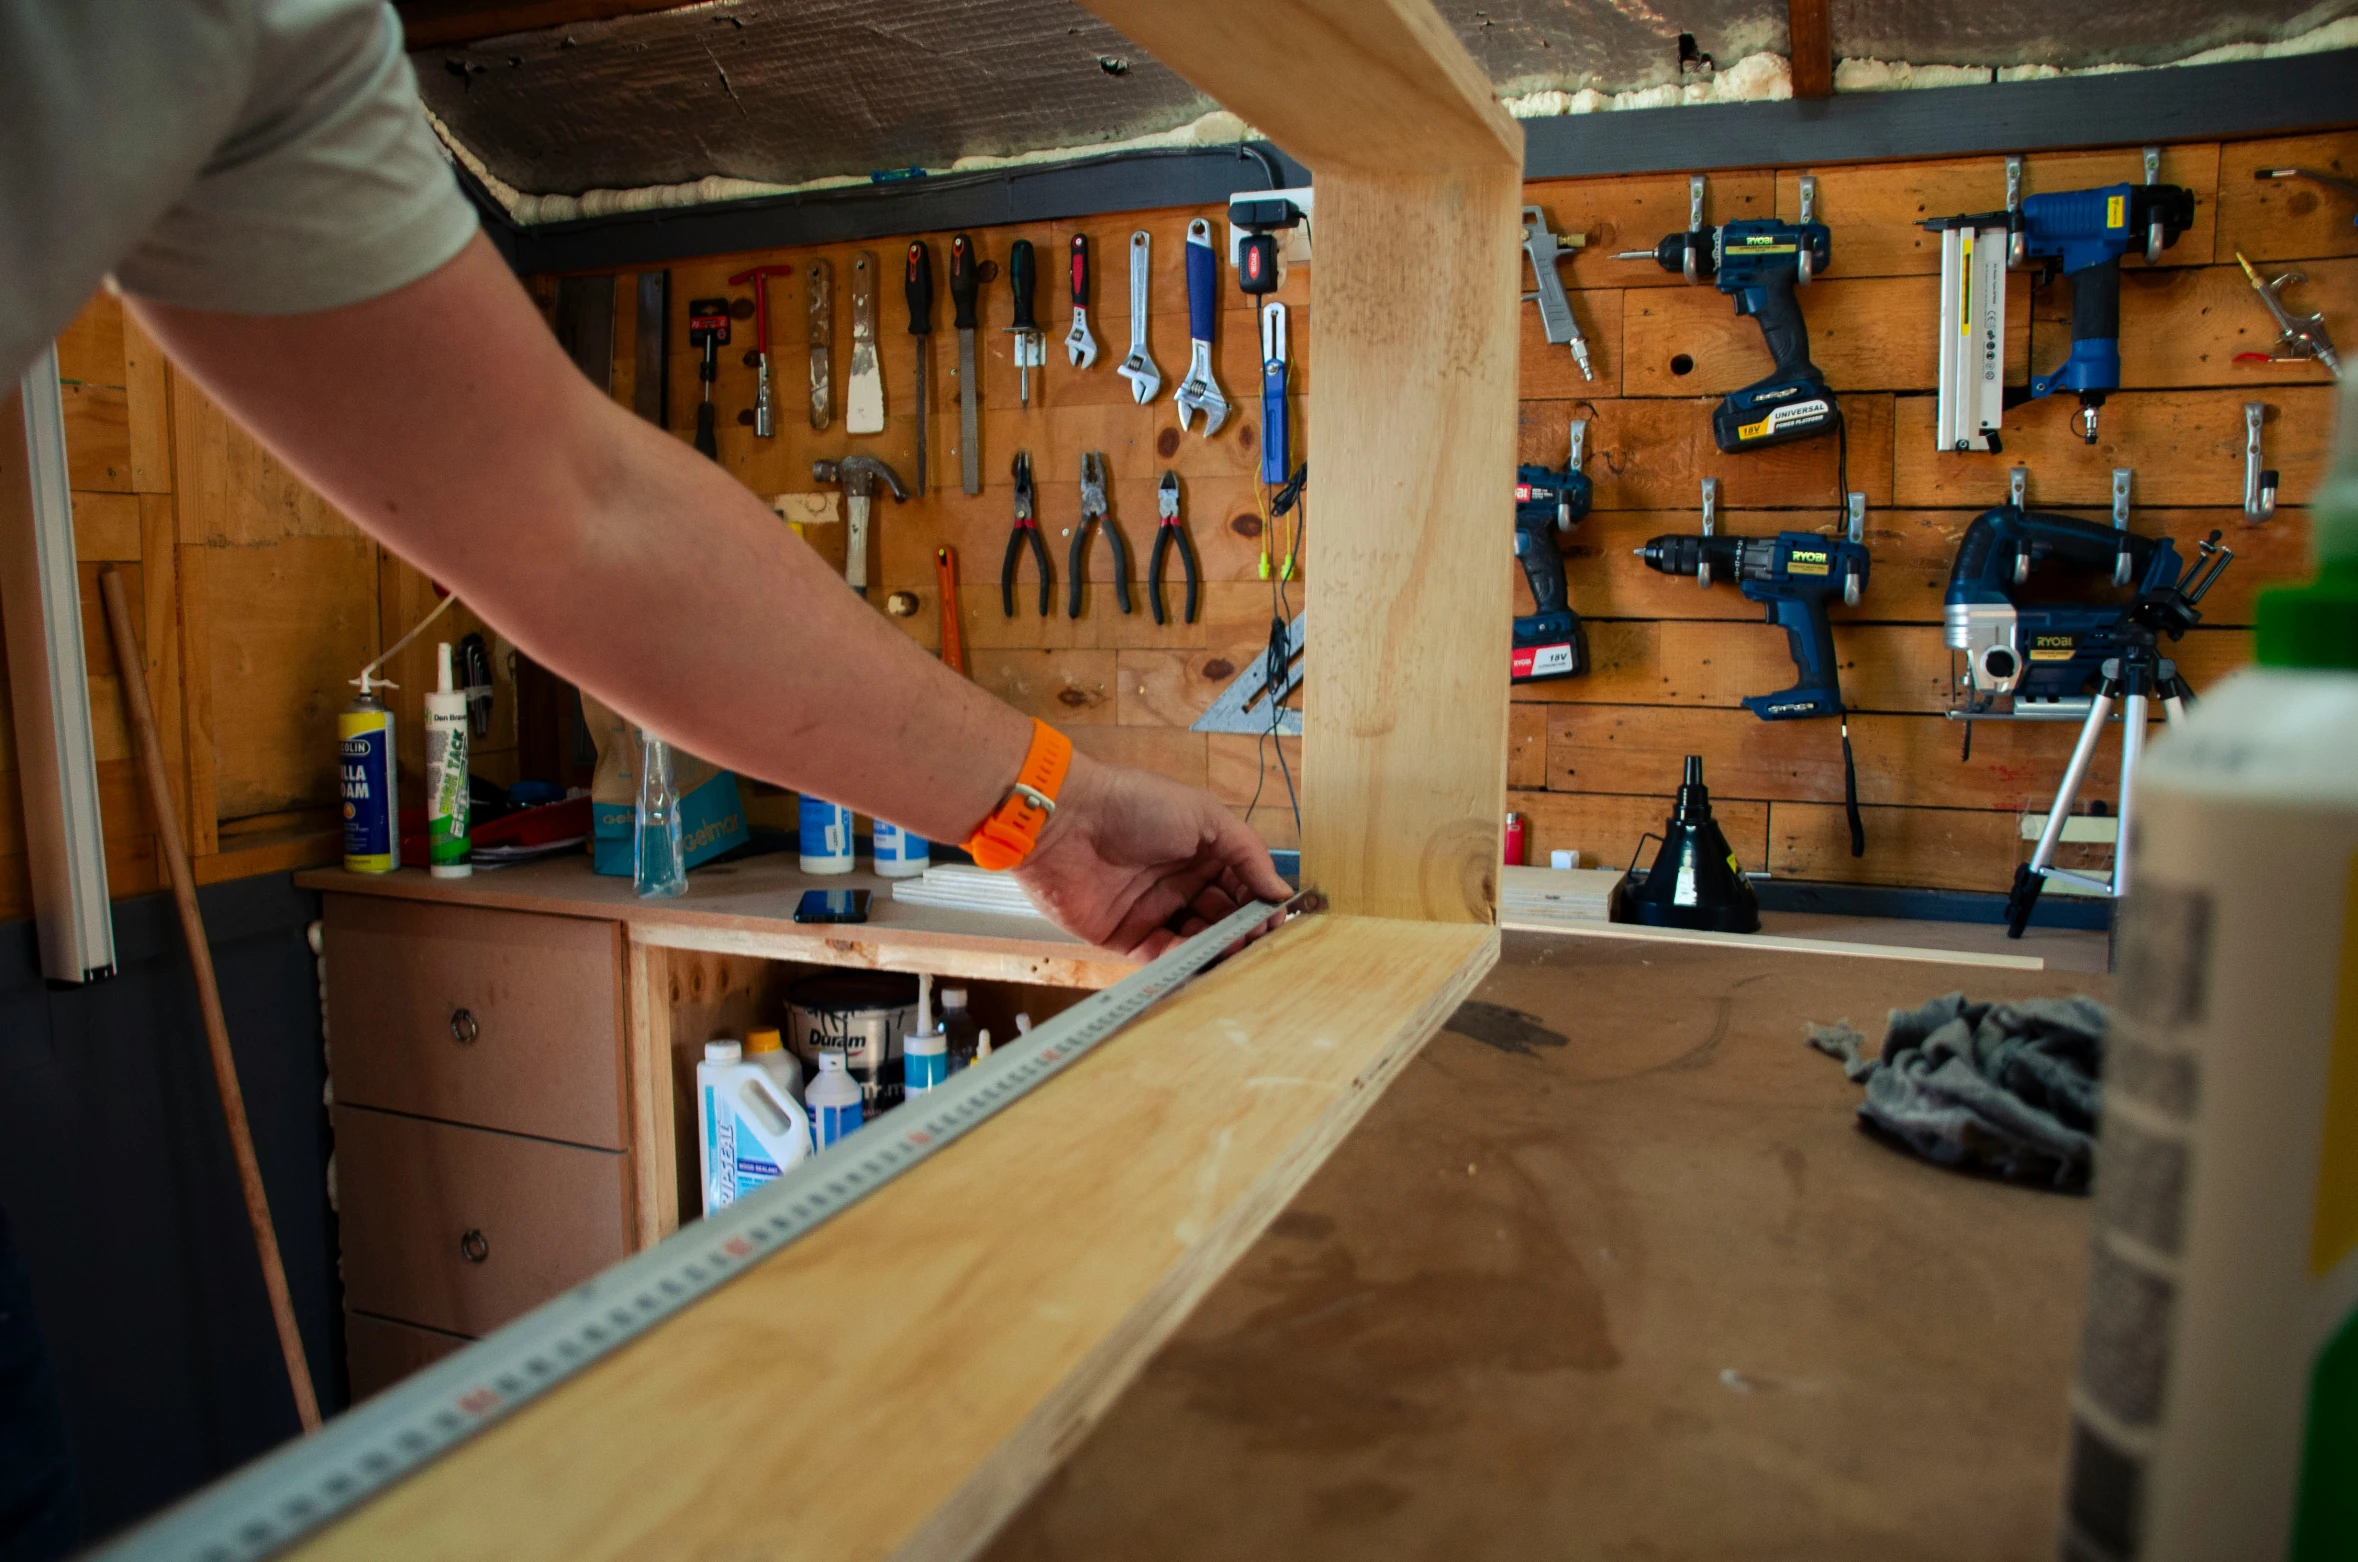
[659,865]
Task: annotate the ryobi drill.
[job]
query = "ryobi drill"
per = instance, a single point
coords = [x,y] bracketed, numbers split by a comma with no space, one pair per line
[1758,262]
[1550,642]
[1794,574]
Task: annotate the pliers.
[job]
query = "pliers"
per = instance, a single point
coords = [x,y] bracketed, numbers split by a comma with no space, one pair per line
[1166,532]
[1093,511]
[1026,529]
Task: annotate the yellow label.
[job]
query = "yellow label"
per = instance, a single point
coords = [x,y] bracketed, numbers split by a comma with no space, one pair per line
[1752,430]
[2053,648]
[1804,561]
[2333,1229]
[2116,211]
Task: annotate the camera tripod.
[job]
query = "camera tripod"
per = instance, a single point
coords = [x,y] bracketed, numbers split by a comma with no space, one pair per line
[2131,681]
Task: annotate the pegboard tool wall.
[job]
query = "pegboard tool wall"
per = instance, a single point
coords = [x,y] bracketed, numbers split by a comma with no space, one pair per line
[1593,759]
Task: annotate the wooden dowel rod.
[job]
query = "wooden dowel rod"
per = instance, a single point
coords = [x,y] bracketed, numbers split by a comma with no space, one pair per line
[192,929]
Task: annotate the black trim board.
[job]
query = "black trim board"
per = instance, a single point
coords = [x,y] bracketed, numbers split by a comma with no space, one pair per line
[2185,103]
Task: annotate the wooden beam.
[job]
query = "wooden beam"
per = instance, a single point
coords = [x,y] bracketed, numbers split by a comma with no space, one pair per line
[431,24]
[896,1383]
[1812,29]
[1415,290]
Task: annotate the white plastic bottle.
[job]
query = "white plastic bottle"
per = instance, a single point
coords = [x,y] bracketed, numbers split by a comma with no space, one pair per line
[748,1130]
[826,836]
[836,1100]
[925,1061]
[2216,1409]
[898,854]
[766,1046]
[446,775]
[958,1023]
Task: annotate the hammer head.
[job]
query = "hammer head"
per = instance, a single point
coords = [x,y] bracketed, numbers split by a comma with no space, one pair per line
[858,474]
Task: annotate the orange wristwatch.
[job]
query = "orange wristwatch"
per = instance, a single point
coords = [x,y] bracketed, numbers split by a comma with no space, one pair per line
[1013,829]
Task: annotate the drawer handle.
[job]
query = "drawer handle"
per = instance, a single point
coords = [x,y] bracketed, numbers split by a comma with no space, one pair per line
[463,1028]
[472,1247]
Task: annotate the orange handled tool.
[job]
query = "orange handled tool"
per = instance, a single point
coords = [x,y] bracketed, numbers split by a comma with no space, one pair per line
[945,574]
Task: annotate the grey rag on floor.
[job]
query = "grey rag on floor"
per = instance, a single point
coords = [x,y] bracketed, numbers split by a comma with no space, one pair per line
[2004,1088]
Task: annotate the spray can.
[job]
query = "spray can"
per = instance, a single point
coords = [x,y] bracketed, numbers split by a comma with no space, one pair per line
[446,774]
[1515,834]
[2215,1413]
[836,1101]
[364,742]
[826,836]
[900,855]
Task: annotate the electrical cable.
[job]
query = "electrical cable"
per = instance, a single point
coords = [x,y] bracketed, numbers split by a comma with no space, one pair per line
[1850,772]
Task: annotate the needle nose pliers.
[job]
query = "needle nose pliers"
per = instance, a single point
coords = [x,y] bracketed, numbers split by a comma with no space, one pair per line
[1093,512]
[1027,529]
[1166,532]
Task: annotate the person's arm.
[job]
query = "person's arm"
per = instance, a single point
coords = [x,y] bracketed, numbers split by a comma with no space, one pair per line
[445,420]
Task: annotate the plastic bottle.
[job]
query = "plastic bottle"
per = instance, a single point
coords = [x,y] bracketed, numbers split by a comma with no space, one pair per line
[748,1130]
[826,836]
[835,1101]
[765,1046]
[2216,1408]
[364,746]
[925,1062]
[446,774]
[900,855]
[659,853]
[959,1034]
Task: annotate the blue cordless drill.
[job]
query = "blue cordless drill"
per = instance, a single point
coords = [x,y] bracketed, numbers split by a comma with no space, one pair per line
[1795,575]
[1758,262]
[1549,641]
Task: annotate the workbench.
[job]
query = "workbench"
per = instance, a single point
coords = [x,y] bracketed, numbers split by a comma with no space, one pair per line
[1611,1271]
[512,1059]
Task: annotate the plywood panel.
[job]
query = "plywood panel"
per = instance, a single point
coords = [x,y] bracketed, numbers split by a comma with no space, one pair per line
[1608,830]
[1093,1213]
[2287,219]
[287,626]
[1646,454]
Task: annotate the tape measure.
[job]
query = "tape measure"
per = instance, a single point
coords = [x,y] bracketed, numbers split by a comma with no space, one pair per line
[308,1483]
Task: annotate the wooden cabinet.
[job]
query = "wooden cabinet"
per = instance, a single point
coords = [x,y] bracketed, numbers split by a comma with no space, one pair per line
[379,1353]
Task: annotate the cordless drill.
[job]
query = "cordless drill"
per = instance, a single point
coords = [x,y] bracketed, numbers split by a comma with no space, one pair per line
[2082,234]
[1795,575]
[1758,262]
[1549,642]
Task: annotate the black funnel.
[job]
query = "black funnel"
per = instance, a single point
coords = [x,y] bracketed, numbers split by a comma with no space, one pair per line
[1695,881]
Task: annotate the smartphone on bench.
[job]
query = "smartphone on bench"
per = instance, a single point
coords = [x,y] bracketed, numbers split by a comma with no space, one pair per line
[832,905]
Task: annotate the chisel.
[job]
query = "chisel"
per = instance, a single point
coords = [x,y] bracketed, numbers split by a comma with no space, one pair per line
[919,280]
[863,391]
[962,290]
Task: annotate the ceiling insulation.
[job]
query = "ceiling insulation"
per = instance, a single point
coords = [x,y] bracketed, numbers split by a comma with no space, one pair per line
[788,91]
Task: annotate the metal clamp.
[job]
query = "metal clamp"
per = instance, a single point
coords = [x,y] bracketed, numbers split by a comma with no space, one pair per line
[1578,446]
[463,1028]
[2156,238]
[1802,264]
[2120,523]
[2018,487]
[2017,238]
[2259,484]
[1694,226]
[1857,505]
[1710,524]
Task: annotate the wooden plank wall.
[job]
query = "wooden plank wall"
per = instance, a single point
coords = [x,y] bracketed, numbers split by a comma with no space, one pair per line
[259,602]
[1592,760]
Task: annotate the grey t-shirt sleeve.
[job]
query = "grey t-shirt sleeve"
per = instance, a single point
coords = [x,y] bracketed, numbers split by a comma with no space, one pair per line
[328,189]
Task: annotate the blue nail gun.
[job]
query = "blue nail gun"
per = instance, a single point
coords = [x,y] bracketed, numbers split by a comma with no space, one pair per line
[1549,641]
[2043,652]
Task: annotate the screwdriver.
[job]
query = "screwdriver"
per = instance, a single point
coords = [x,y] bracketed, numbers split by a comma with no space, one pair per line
[920,290]
[962,285]
[1031,346]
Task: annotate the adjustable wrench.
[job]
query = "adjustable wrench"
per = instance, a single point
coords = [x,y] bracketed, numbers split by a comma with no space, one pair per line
[1146,381]
[1079,346]
[1199,392]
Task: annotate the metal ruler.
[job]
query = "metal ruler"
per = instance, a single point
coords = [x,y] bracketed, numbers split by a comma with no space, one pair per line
[308,1483]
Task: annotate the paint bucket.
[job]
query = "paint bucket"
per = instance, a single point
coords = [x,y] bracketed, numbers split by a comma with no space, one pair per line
[860,1016]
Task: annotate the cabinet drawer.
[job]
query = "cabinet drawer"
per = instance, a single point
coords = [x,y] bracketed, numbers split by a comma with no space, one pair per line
[492,1017]
[462,1229]
[379,1353]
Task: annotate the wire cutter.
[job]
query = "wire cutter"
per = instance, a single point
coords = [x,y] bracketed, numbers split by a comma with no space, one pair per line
[1166,532]
[1026,529]
[1093,511]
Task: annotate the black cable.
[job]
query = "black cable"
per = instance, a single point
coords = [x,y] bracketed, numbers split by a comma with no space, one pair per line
[1850,774]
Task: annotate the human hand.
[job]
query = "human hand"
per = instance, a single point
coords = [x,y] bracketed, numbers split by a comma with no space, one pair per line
[1134,862]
